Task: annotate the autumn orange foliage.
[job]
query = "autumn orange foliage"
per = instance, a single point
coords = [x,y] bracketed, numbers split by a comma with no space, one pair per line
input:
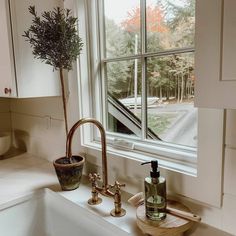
[154,22]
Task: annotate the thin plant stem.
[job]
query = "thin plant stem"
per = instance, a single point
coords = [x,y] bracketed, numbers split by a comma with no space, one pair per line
[64,105]
[64,100]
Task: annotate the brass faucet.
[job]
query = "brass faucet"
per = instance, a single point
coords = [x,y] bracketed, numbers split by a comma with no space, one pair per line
[105,187]
[118,211]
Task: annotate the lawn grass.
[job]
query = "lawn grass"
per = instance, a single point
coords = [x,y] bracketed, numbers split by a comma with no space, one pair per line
[158,123]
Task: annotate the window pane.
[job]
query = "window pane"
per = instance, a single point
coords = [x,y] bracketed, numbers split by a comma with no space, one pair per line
[171,82]
[170,24]
[124,108]
[122,27]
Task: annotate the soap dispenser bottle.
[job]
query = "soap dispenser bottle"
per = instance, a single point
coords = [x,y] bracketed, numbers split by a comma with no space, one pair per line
[155,193]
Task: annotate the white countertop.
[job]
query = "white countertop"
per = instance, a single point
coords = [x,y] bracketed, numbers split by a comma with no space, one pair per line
[25,174]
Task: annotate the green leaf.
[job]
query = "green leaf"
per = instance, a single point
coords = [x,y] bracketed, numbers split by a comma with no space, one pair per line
[54,38]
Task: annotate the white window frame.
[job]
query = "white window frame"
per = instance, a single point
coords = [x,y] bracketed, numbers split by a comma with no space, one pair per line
[199,179]
[178,153]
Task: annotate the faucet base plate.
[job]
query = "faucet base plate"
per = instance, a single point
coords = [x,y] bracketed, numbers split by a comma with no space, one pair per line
[118,214]
[92,202]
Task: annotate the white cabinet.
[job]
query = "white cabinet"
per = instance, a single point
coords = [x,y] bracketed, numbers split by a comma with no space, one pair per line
[7,74]
[25,75]
[215,54]
[34,78]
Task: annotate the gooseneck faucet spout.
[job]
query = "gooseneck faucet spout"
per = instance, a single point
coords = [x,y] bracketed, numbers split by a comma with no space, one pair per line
[105,188]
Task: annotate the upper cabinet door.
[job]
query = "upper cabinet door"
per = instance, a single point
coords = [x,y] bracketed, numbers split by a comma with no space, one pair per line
[34,78]
[7,74]
[215,54]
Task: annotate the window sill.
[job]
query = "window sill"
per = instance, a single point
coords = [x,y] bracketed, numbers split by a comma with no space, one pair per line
[138,156]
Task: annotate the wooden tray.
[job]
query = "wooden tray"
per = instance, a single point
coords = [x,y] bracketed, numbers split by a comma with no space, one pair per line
[170,226]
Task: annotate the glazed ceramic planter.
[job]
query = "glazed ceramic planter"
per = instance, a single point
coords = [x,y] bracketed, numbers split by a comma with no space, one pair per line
[69,174]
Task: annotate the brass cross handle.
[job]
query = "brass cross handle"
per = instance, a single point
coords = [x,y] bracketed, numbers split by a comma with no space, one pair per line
[118,211]
[94,200]
[93,177]
[117,186]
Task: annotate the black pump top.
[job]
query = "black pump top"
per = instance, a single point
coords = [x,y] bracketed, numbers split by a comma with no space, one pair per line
[155,173]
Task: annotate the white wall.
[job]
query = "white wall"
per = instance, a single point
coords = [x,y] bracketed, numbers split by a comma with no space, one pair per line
[5,118]
[225,217]
[229,188]
[38,126]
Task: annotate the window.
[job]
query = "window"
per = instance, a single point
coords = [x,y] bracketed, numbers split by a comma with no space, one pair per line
[147,69]
[188,176]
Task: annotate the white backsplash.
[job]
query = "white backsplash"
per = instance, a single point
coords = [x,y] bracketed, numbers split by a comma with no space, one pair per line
[5,118]
[38,126]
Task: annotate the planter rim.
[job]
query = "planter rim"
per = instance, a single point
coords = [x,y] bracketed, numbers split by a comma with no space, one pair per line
[69,164]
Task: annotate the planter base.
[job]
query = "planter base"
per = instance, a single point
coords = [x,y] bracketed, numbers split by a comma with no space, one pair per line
[69,174]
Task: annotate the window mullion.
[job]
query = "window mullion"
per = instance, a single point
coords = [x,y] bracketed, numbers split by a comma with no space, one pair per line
[144,99]
[143,65]
[103,78]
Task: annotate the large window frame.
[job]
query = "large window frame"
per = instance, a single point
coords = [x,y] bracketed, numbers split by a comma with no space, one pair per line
[192,177]
[178,153]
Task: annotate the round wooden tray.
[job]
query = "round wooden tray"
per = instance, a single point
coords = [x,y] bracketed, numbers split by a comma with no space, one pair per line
[170,226]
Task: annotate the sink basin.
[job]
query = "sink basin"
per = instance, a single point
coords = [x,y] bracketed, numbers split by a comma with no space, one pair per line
[48,214]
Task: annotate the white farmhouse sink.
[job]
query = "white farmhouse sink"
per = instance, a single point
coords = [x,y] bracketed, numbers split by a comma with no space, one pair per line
[49,214]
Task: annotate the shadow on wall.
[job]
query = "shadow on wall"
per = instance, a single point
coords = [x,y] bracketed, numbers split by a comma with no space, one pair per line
[20,139]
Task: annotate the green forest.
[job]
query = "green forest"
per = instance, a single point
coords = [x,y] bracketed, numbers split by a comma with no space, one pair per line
[169,26]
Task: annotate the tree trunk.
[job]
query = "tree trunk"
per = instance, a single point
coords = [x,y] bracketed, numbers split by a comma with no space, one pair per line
[187,89]
[178,92]
[168,94]
[182,88]
[175,89]
[161,93]
[64,100]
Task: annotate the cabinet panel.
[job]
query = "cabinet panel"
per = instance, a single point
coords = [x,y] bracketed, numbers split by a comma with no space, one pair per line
[215,54]
[7,76]
[34,78]
[229,41]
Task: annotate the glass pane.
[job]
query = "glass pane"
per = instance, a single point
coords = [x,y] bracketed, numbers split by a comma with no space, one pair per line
[122,27]
[170,81]
[124,97]
[170,24]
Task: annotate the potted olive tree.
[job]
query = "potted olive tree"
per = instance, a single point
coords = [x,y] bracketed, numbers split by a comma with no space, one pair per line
[54,40]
